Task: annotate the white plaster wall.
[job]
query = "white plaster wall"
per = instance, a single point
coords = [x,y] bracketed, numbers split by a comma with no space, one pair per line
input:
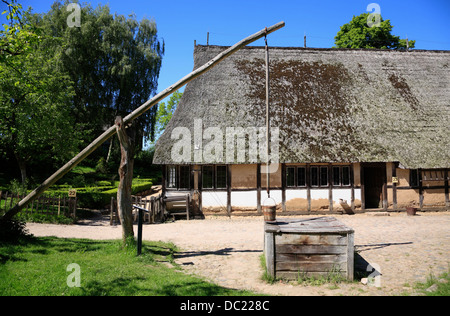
[296,194]
[357,194]
[274,194]
[344,194]
[243,199]
[214,198]
[319,194]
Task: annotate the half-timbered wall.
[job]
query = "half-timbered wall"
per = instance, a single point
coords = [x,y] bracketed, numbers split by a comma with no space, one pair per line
[305,188]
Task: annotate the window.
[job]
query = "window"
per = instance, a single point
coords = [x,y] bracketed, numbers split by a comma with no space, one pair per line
[319,176]
[323,176]
[416,176]
[301,176]
[314,171]
[171,176]
[207,177]
[295,177]
[336,176]
[341,176]
[178,177]
[185,177]
[221,177]
[290,177]
[433,175]
[214,177]
[346,175]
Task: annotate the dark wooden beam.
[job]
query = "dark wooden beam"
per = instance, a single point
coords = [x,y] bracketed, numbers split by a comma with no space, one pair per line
[330,186]
[446,189]
[420,189]
[283,187]
[384,188]
[229,190]
[308,185]
[258,188]
[352,187]
[363,191]
[394,186]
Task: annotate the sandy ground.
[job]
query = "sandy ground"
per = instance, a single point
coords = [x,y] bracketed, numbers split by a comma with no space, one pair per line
[227,250]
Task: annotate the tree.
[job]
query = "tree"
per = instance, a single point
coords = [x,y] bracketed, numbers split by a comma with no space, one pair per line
[165,111]
[357,34]
[35,95]
[114,63]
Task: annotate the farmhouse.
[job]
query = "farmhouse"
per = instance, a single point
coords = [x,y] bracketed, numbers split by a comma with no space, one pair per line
[350,131]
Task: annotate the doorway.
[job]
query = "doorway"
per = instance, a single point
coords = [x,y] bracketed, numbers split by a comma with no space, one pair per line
[374,180]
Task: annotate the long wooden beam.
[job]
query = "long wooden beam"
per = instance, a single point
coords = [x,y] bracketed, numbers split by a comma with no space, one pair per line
[133,115]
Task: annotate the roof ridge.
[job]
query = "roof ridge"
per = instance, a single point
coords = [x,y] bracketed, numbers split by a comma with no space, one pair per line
[328,49]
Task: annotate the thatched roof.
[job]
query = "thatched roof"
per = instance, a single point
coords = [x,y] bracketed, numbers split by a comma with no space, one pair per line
[331,105]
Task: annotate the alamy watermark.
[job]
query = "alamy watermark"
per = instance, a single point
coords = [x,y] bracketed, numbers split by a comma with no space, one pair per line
[74,18]
[374,278]
[74,279]
[225,145]
[374,18]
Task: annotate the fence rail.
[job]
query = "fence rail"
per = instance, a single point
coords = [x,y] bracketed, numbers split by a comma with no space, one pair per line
[48,205]
[153,204]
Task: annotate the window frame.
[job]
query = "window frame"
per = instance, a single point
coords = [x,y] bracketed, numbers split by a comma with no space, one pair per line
[214,176]
[217,177]
[318,176]
[173,178]
[340,183]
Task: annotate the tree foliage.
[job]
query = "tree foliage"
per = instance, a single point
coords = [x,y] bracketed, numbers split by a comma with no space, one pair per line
[35,94]
[165,111]
[60,86]
[357,34]
[113,61]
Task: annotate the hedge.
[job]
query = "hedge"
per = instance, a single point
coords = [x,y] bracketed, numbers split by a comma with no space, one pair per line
[99,197]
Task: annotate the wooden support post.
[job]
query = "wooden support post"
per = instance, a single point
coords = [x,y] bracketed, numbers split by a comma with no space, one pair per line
[258,188]
[200,188]
[229,209]
[350,255]
[446,189]
[420,189]
[269,252]
[135,114]
[384,188]
[330,186]
[363,191]
[308,186]
[352,184]
[394,186]
[187,206]
[283,187]
[112,212]
[139,241]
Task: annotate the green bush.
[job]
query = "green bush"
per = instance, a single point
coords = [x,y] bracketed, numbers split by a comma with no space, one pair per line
[12,230]
[99,197]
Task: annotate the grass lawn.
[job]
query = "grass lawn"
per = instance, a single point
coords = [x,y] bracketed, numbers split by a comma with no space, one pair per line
[38,267]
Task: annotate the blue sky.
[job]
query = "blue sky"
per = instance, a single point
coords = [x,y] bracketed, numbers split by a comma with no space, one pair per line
[180,22]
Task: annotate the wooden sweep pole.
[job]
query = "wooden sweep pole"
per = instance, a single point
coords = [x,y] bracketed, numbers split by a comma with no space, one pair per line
[132,116]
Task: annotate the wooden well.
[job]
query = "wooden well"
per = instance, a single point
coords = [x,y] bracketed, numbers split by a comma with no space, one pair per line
[312,247]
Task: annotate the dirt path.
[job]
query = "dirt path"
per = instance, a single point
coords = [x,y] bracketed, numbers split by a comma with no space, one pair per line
[227,251]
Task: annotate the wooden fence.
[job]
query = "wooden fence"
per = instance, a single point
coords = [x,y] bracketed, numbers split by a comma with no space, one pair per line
[48,205]
[153,204]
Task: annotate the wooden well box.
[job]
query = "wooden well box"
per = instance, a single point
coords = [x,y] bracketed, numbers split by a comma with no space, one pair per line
[311,247]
